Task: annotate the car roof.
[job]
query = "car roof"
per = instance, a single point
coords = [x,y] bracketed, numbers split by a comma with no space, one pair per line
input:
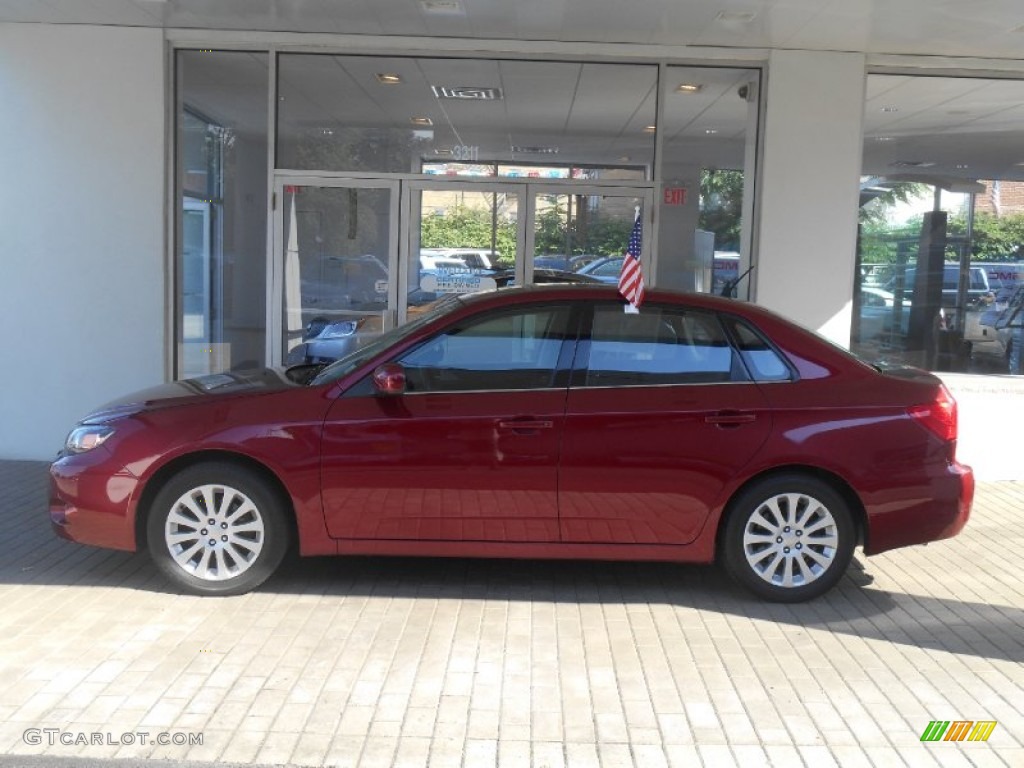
[605,292]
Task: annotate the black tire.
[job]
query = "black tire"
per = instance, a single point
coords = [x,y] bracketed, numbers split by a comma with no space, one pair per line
[778,509]
[244,545]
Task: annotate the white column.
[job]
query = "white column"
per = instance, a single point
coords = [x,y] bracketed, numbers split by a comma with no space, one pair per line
[82,305]
[810,188]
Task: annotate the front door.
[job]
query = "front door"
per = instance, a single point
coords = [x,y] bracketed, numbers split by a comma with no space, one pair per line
[470,451]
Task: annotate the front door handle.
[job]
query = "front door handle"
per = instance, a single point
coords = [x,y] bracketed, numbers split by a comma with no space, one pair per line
[730,418]
[525,426]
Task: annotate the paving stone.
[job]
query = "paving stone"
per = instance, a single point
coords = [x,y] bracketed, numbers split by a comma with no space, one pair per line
[426,662]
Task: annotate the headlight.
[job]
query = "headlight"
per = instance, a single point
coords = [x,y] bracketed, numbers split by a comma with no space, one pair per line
[87,437]
[339,330]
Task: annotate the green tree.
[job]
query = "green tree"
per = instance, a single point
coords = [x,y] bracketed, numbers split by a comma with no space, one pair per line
[593,232]
[993,238]
[721,207]
[465,227]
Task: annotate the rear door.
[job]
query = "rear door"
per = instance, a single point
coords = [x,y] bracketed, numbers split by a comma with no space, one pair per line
[661,418]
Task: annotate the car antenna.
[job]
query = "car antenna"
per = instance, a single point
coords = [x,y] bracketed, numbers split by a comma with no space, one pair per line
[730,287]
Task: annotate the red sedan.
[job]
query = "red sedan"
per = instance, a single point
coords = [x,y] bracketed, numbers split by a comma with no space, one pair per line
[544,422]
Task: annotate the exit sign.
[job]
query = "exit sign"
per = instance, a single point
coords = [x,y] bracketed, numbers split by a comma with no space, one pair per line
[674,196]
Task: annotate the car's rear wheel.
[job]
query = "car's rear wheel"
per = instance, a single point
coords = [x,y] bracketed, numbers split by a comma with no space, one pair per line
[217,529]
[788,538]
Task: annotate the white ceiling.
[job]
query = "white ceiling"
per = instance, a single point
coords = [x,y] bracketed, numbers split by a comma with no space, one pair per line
[949,127]
[989,28]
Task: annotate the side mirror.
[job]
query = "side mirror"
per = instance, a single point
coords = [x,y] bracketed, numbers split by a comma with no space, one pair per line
[389,379]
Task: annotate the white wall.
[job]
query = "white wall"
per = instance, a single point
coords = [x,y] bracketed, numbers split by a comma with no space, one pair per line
[82,306]
[810,188]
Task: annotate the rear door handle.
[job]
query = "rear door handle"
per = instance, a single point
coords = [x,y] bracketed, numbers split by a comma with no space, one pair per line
[730,418]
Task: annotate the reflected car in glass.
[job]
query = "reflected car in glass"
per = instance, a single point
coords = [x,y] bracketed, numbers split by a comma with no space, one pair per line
[605,269]
[879,312]
[541,422]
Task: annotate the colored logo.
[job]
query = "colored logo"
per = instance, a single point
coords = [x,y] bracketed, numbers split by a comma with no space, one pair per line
[958,730]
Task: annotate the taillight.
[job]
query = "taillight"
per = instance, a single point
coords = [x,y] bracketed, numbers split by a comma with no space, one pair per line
[939,416]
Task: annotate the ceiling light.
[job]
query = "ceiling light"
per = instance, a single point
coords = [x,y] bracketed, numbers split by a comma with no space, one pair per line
[736,17]
[890,109]
[710,131]
[421,121]
[689,88]
[388,78]
[962,166]
[468,92]
[649,129]
[884,138]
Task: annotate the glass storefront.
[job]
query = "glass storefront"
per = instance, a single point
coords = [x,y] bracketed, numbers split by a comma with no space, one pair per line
[462,117]
[709,133]
[220,272]
[940,265]
[398,180]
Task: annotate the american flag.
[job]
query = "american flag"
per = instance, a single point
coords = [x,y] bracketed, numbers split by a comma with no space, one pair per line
[631,277]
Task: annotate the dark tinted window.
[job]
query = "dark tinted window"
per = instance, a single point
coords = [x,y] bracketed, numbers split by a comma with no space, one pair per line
[511,350]
[658,346]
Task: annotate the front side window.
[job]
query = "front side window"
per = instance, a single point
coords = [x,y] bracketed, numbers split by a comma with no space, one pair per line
[510,350]
[658,346]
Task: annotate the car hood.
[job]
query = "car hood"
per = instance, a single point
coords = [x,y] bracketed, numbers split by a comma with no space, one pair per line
[218,385]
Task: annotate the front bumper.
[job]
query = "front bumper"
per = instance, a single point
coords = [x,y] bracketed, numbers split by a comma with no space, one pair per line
[92,500]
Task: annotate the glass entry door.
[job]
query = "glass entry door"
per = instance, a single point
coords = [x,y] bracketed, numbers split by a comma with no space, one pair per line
[354,257]
[334,257]
[583,231]
[461,237]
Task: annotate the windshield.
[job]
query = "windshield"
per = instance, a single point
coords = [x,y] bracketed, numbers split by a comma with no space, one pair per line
[347,364]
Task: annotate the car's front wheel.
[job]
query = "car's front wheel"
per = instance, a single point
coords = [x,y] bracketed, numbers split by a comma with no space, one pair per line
[217,529]
[788,538]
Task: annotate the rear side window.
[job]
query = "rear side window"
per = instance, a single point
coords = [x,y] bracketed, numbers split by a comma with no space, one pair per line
[658,346]
[763,362]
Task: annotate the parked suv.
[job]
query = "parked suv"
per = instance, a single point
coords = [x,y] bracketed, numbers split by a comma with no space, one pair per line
[978,289]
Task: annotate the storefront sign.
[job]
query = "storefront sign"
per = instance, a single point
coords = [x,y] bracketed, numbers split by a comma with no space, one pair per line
[456,282]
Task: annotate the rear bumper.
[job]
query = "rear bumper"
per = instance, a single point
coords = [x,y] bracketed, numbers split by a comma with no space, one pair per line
[935,512]
[91,503]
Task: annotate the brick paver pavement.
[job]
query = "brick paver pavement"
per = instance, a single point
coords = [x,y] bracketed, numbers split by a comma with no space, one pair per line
[403,662]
